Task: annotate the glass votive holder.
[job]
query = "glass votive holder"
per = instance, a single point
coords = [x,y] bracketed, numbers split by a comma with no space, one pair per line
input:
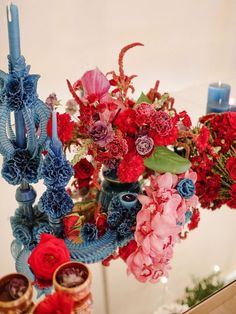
[128,199]
[75,279]
[16,294]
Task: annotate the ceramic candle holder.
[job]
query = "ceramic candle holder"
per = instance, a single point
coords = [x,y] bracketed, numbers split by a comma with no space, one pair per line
[75,279]
[16,294]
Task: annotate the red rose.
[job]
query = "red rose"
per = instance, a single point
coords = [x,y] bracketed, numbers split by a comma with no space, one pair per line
[72,226]
[65,127]
[231,167]
[83,169]
[58,302]
[49,254]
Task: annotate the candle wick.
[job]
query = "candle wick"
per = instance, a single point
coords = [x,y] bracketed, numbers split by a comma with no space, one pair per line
[9,16]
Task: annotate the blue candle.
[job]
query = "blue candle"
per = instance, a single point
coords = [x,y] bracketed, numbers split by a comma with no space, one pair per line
[13,33]
[56,143]
[15,53]
[218,97]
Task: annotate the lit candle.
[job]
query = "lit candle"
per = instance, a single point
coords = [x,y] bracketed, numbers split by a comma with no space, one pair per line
[56,143]
[218,97]
[15,53]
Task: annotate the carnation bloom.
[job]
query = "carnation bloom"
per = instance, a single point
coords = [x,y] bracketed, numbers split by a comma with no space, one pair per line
[59,302]
[126,121]
[130,168]
[65,127]
[144,145]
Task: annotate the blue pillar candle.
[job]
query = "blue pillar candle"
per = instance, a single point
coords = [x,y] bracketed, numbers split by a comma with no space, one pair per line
[128,200]
[218,97]
[15,53]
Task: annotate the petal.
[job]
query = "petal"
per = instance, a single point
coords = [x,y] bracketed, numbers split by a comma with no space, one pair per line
[95,83]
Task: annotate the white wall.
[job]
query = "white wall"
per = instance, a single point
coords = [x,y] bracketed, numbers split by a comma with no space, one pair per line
[188,44]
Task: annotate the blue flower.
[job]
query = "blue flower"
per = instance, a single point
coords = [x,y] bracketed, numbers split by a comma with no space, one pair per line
[22,234]
[186,188]
[21,166]
[41,228]
[124,229]
[88,232]
[56,203]
[20,92]
[114,218]
[56,171]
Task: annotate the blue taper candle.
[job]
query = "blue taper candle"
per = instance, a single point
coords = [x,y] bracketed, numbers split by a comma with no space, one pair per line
[56,143]
[15,53]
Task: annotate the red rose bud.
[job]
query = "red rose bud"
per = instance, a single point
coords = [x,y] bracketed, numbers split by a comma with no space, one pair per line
[83,169]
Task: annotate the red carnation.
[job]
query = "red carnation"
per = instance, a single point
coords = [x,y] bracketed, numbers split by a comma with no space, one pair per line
[203,138]
[58,302]
[126,121]
[231,167]
[232,201]
[130,168]
[185,119]
[164,128]
[65,127]
[118,147]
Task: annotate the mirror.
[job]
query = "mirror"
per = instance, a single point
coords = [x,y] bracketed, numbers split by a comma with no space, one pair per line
[186,47]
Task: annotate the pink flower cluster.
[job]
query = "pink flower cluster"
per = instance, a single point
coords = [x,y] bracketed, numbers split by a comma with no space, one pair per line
[159,224]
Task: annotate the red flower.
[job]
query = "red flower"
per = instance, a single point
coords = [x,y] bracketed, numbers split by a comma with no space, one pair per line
[65,127]
[185,119]
[101,223]
[164,128]
[232,201]
[49,254]
[72,225]
[231,167]
[126,121]
[130,168]
[117,148]
[57,303]
[83,169]
[203,138]
[125,251]
[194,220]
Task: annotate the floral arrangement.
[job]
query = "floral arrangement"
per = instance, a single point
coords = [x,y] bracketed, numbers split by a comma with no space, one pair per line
[213,158]
[152,188]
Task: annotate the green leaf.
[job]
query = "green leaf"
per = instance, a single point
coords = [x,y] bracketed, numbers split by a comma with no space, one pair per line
[143,98]
[164,160]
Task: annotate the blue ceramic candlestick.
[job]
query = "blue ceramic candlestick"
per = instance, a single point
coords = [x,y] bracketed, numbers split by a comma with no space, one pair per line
[218,97]
[15,53]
